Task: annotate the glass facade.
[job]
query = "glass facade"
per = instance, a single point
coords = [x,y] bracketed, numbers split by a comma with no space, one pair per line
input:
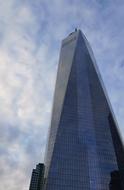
[81,152]
[37,178]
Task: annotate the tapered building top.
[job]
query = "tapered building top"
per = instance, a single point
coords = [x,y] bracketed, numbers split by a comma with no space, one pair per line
[84,146]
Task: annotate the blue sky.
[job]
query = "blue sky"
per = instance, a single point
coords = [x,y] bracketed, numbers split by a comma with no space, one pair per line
[30,38]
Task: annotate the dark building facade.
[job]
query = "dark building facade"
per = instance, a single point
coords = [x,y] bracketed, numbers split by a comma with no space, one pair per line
[37,178]
[84,150]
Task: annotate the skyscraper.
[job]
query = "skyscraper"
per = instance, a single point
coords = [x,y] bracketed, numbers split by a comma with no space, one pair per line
[84,150]
[37,177]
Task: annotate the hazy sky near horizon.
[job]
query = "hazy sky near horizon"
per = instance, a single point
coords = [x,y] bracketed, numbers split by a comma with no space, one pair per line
[30,38]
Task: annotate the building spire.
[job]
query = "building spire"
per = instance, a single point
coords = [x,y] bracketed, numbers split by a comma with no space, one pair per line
[75,29]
